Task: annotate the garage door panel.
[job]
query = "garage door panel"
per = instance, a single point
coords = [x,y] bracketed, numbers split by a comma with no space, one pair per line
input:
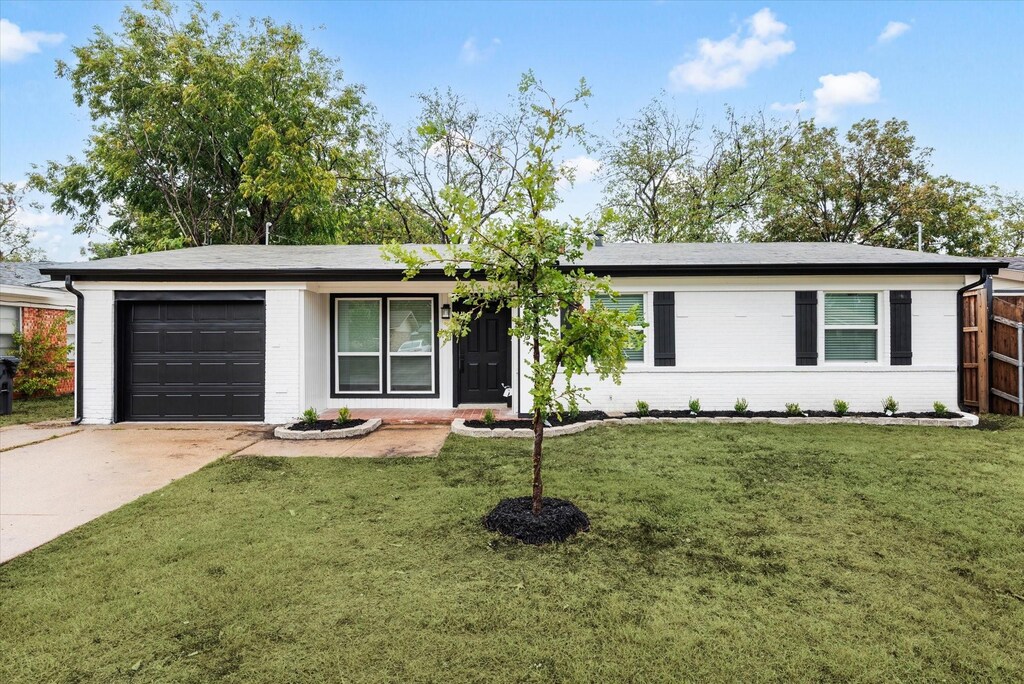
[195,361]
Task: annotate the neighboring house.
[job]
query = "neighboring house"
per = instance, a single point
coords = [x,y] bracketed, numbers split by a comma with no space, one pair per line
[260,333]
[29,299]
[1010,280]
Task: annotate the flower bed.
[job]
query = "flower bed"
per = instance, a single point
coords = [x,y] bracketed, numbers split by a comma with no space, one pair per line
[553,421]
[327,429]
[460,427]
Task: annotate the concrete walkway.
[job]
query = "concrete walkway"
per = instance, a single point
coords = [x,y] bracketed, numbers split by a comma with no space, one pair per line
[388,441]
[55,479]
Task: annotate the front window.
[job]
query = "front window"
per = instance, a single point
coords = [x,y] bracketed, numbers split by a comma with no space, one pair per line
[9,316]
[851,326]
[384,345]
[625,302]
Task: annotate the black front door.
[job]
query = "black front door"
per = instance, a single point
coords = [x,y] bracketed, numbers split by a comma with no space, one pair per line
[484,360]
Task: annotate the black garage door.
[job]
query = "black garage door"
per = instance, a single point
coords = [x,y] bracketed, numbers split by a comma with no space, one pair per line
[193,360]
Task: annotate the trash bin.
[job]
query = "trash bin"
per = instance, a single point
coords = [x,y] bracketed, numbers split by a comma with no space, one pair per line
[8,367]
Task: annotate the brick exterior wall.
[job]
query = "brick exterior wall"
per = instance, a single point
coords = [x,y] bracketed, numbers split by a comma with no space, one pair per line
[32,318]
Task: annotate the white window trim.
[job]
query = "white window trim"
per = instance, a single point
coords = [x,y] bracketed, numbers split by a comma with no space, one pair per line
[17,322]
[877,327]
[432,354]
[340,354]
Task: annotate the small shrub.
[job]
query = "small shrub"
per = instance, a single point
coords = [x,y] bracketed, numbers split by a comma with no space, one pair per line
[489,418]
[841,407]
[793,409]
[573,412]
[695,406]
[44,358]
[310,416]
[643,408]
[940,409]
[890,405]
[344,415]
[741,405]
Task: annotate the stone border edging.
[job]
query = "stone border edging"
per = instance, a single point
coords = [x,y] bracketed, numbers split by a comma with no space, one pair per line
[282,432]
[459,424]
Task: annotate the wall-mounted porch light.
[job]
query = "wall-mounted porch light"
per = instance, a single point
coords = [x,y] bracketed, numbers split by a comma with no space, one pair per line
[446,311]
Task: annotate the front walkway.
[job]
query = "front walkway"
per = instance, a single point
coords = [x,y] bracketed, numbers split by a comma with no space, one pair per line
[424,416]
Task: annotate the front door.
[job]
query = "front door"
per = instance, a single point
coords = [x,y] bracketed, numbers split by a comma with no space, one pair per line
[483,361]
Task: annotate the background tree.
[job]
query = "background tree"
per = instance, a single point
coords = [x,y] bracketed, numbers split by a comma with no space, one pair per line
[15,237]
[205,131]
[450,148]
[870,186]
[515,260]
[1008,216]
[674,180]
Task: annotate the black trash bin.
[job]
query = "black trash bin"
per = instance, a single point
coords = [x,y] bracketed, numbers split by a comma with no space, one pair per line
[8,367]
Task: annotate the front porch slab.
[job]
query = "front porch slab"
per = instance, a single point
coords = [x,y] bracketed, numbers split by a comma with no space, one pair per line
[391,441]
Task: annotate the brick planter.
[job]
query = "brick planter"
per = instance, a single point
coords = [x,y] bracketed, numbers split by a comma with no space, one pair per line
[963,421]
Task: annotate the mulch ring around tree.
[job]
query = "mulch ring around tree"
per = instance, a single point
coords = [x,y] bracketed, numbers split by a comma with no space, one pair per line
[552,421]
[558,520]
[324,425]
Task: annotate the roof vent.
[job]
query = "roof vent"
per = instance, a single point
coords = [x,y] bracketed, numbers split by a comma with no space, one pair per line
[599,238]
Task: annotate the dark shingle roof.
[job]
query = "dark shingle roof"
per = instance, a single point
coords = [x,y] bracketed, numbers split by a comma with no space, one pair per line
[1016,263]
[22,273]
[353,262]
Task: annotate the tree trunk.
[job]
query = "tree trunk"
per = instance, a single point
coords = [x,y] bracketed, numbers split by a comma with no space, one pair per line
[538,439]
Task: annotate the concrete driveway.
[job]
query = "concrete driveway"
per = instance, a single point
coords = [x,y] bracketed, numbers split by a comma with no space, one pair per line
[55,479]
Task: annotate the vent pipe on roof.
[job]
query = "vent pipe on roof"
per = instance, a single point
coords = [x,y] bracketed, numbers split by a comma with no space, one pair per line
[599,238]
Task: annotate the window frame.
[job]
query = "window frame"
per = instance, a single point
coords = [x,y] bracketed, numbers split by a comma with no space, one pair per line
[17,323]
[432,354]
[71,336]
[877,328]
[647,311]
[384,365]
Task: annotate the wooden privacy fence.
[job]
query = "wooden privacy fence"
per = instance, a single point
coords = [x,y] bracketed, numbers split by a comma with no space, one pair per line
[993,353]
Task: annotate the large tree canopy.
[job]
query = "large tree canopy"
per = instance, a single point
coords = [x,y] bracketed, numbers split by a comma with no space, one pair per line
[206,131]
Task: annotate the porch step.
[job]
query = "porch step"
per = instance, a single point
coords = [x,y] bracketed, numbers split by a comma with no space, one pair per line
[421,416]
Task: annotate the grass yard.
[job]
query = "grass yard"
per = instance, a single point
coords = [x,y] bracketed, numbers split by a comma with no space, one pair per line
[718,553]
[38,410]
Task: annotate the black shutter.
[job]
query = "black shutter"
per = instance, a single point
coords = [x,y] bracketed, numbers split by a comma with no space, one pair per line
[664,328]
[900,344]
[807,328]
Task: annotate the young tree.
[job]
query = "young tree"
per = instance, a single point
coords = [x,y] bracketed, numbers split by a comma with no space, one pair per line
[670,180]
[519,258]
[15,237]
[204,132]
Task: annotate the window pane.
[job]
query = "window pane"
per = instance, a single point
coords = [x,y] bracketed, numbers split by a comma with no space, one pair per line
[410,325]
[846,308]
[410,374]
[358,323]
[625,302]
[851,345]
[8,320]
[359,373]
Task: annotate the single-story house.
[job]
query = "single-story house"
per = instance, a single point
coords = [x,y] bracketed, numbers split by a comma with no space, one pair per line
[259,333]
[29,300]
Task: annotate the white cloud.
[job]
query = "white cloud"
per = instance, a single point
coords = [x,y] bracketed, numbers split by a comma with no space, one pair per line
[15,44]
[727,63]
[835,93]
[892,31]
[584,168]
[843,90]
[36,220]
[472,53]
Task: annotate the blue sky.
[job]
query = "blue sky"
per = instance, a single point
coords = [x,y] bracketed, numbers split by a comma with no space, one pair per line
[954,71]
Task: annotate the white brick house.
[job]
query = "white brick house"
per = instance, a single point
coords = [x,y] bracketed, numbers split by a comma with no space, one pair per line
[260,333]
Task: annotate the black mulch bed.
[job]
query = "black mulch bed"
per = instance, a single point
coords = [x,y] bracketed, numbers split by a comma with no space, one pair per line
[782,414]
[558,520]
[325,425]
[553,421]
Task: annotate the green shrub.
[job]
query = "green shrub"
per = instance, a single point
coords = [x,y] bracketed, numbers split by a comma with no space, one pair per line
[741,406]
[841,407]
[44,358]
[940,408]
[489,418]
[344,415]
[310,416]
[643,408]
[890,405]
[793,409]
[695,406]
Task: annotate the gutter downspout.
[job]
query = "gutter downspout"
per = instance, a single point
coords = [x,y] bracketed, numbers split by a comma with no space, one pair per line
[79,336]
[960,338]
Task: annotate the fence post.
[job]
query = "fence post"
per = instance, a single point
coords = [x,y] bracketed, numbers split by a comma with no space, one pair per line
[983,358]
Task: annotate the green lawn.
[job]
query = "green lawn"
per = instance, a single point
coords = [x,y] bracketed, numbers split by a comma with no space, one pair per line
[717,553]
[38,410]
